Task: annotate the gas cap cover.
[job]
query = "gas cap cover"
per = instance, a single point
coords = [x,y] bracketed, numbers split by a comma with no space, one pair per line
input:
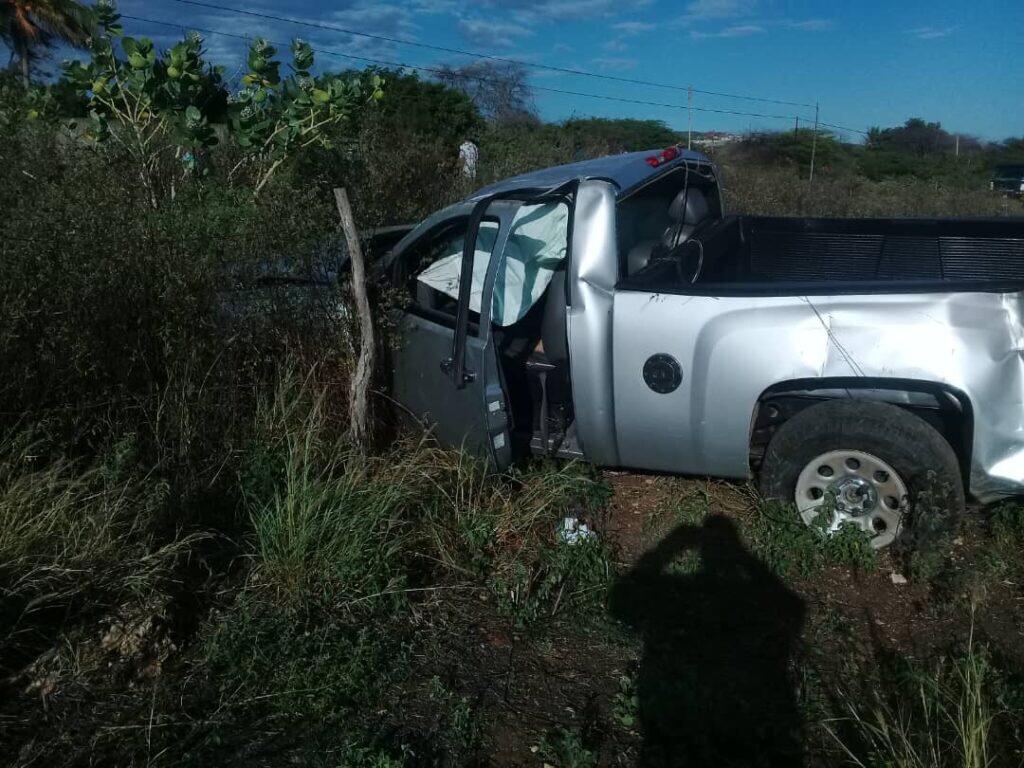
[662,373]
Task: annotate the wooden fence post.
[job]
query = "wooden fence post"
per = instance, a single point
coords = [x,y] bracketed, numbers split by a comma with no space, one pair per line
[359,395]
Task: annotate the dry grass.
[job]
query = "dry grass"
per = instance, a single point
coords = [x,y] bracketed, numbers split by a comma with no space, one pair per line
[75,536]
[943,719]
[779,191]
[332,522]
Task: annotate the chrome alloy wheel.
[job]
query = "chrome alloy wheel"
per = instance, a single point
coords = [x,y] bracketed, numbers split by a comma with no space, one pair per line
[857,488]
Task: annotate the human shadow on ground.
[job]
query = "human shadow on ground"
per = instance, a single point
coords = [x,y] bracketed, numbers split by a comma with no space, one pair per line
[715,685]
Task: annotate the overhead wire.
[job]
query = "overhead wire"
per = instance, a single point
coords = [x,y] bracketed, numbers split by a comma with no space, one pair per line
[479,78]
[487,56]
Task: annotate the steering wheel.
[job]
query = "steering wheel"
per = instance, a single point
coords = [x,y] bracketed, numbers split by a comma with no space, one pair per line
[689,261]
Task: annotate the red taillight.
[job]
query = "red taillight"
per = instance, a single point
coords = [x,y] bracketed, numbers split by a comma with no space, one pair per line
[666,155]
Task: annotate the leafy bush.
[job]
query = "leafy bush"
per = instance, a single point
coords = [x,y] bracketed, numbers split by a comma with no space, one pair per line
[562,748]
[123,320]
[568,578]
[789,547]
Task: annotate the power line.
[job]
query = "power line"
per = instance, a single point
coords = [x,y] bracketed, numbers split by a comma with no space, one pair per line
[490,57]
[844,128]
[480,78]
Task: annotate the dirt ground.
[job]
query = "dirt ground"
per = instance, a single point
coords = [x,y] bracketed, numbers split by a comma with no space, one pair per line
[530,683]
[600,680]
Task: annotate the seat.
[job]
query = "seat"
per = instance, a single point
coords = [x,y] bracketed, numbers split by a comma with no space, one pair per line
[687,211]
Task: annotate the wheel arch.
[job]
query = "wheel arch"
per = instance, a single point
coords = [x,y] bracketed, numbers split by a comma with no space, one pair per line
[944,407]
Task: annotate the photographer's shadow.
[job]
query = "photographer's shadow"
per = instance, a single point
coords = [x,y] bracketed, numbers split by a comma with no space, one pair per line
[715,684]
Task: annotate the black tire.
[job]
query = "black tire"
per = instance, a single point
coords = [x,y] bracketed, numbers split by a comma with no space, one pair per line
[919,454]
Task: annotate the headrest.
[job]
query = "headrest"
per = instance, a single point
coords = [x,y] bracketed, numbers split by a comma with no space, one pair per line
[690,207]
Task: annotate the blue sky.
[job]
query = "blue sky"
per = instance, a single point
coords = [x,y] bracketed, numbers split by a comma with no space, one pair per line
[873,62]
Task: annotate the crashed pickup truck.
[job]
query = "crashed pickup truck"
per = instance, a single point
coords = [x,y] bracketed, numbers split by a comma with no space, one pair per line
[610,310]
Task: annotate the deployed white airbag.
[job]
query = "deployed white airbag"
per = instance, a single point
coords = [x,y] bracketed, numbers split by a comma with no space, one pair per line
[536,247]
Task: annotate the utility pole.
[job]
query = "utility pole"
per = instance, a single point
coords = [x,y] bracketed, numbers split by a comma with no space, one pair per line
[796,127]
[689,117]
[814,141]
[958,146]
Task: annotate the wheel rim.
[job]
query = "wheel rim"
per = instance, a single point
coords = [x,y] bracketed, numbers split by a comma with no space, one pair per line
[856,488]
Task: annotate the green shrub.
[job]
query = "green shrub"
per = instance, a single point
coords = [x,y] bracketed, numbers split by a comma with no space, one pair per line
[776,534]
[563,748]
[563,578]
[307,661]
[115,318]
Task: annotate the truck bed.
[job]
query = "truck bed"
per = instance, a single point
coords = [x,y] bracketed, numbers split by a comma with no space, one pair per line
[752,254]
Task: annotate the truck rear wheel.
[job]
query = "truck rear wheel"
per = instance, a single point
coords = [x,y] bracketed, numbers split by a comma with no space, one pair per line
[870,464]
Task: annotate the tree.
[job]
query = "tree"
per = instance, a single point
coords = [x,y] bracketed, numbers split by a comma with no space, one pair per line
[273,118]
[500,90]
[27,25]
[147,104]
[920,138]
[416,107]
[155,105]
[609,136]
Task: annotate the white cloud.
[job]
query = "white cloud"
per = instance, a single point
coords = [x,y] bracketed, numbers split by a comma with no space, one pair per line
[614,63]
[490,33]
[812,25]
[535,11]
[704,10]
[633,27]
[932,33]
[738,30]
[615,45]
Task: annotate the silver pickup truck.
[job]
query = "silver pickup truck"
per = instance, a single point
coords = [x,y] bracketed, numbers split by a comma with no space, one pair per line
[610,310]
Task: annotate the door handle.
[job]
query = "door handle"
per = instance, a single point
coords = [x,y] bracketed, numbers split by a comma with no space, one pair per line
[448,369]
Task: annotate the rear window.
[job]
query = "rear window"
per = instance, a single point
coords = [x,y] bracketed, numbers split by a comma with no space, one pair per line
[1009,172]
[644,221]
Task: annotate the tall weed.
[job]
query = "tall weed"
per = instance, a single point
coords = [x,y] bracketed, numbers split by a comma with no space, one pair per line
[942,717]
[75,535]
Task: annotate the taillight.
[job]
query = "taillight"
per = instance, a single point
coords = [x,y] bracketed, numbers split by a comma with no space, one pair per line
[666,155]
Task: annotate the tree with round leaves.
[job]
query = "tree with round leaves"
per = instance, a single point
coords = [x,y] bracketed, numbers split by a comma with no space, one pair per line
[272,118]
[150,105]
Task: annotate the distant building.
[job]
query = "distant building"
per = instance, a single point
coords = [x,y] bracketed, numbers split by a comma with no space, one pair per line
[715,138]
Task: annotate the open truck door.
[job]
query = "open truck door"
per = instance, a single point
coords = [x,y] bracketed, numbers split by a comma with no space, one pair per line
[447,370]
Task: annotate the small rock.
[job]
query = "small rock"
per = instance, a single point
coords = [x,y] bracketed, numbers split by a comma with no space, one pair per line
[898,578]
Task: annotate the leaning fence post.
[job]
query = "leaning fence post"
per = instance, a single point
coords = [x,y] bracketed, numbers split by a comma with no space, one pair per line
[359,393]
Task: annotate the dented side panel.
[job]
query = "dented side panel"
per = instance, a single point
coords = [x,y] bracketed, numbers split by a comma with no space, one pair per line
[733,348]
[593,270]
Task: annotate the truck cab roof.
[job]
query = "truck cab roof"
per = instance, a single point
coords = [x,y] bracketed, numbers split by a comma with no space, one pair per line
[625,171]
